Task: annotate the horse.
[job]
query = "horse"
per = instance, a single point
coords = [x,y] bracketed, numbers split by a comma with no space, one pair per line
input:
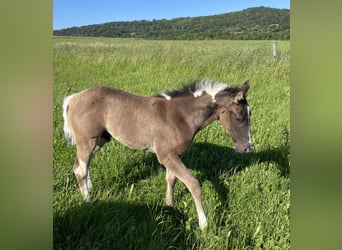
[164,124]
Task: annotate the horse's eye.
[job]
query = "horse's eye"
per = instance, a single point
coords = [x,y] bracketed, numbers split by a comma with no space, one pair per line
[238,118]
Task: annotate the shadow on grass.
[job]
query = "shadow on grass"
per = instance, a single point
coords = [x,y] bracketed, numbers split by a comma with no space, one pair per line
[211,160]
[130,225]
[118,225]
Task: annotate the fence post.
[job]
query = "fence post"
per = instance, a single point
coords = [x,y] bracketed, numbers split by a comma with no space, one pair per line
[275,51]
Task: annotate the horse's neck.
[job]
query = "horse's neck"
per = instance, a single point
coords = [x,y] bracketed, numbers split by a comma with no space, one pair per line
[205,114]
[197,113]
[209,120]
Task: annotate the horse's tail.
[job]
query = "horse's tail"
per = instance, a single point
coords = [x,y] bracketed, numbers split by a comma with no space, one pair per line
[67,130]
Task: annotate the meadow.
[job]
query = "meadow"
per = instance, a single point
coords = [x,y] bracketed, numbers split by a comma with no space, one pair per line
[246,197]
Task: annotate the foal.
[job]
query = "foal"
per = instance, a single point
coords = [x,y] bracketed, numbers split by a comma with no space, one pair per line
[165,125]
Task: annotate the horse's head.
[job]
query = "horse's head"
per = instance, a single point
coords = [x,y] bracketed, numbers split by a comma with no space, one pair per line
[234,114]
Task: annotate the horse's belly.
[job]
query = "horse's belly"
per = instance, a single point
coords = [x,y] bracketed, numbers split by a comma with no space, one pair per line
[134,142]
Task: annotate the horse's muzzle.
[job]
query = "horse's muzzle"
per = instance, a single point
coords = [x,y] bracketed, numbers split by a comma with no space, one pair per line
[247,149]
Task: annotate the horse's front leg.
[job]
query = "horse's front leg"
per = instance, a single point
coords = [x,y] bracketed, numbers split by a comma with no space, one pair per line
[173,164]
[171,181]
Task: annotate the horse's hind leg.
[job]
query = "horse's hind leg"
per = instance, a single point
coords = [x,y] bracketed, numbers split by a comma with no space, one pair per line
[81,167]
[81,172]
[101,140]
[87,152]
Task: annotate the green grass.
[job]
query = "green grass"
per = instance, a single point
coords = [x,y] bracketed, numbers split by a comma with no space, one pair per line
[246,197]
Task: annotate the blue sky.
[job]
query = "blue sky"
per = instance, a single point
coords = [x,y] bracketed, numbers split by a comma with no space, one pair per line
[69,13]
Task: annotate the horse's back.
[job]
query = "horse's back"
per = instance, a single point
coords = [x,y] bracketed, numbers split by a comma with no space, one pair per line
[98,99]
[123,115]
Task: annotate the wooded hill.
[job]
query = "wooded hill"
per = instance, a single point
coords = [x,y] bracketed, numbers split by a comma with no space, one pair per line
[259,23]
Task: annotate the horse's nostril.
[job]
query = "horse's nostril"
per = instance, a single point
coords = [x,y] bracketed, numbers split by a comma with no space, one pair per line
[249,149]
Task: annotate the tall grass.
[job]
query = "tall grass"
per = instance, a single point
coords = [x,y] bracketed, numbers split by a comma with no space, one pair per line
[246,197]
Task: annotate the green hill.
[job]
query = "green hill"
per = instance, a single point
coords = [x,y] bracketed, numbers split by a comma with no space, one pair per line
[259,23]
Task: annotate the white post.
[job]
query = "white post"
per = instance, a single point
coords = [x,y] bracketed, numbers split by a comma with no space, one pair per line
[275,52]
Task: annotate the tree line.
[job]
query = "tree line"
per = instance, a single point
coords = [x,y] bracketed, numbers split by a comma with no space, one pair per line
[260,23]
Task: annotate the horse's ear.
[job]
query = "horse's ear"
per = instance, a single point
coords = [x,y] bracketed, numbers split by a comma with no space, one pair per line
[245,87]
[239,96]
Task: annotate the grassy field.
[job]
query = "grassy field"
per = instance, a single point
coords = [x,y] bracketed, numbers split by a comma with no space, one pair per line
[246,197]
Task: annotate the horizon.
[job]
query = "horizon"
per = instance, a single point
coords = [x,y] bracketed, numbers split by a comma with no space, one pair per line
[172,18]
[65,13]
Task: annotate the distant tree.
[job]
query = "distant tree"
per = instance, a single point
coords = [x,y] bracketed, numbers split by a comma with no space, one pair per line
[253,23]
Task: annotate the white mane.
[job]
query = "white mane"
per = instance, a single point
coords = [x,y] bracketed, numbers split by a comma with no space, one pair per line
[197,89]
[210,87]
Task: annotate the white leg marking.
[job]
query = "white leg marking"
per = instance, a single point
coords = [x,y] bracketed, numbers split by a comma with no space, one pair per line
[89,183]
[81,169]
[249,129]
[85,193]
[82,172]
[171,180]
[202,221]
